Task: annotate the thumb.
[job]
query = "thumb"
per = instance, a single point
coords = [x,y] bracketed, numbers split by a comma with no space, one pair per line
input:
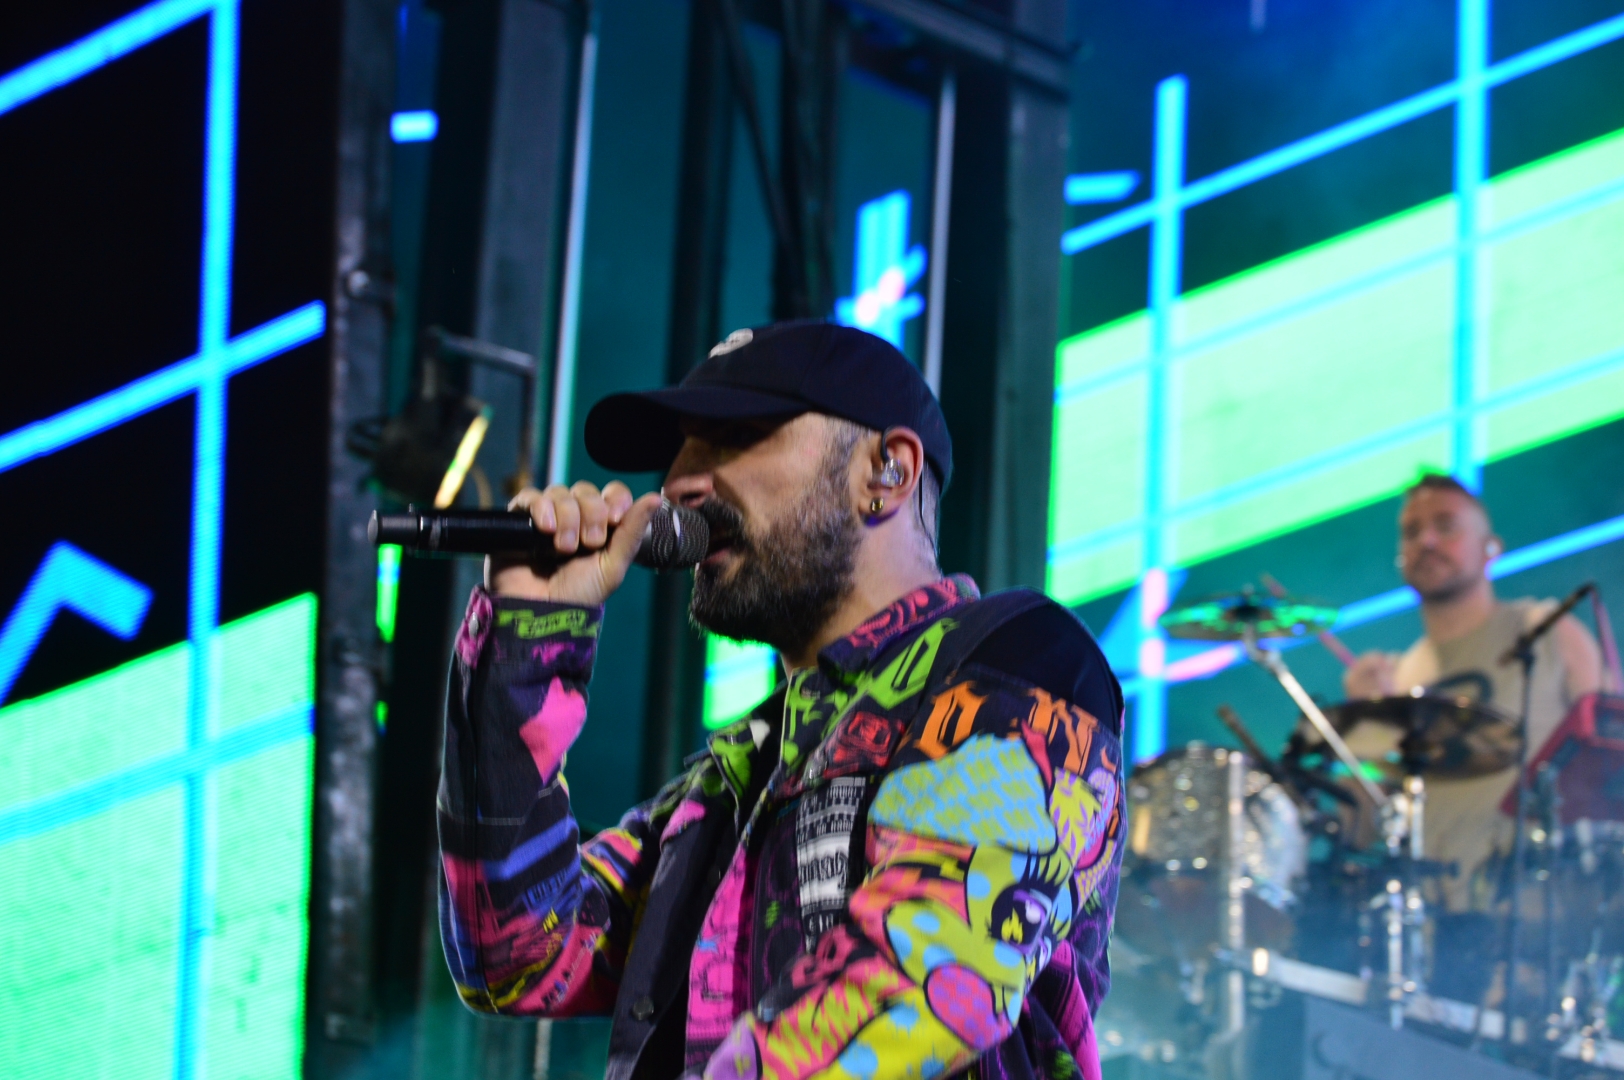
[627,538]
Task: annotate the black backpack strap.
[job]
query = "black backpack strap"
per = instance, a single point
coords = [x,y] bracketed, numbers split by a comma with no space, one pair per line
[977,622]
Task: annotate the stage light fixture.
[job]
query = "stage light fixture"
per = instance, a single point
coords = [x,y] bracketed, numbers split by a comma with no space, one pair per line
[462,460]
[426,453]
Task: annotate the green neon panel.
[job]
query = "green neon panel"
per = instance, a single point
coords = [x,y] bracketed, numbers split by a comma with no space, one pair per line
[1098,470]
[46,744]
[90,907]
[268,662]
[388,589]
[1104,349]
[256,966]
[90,932]
[1323,380]
[737,676]
[1556,297]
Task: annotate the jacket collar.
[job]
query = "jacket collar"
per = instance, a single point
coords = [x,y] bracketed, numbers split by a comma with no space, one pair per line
[740,759]
[857,650]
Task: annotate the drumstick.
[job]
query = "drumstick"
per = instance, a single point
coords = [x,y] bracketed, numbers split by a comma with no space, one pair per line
[1328,639]
[1233,722]
[1260,756]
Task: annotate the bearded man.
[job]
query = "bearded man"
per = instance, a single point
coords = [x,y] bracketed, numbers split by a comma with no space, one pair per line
[902,863]
[1446,543]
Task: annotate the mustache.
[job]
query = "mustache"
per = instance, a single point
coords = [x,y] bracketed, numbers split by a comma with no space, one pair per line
[726,522]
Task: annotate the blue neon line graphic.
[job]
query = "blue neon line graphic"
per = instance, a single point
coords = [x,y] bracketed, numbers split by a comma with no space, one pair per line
[884,267]
[112,41]
[1471,173]
[1166,251]
[69,580]
[54,811]
[1082,188]
[1166,272]
[420,125]
[1344,134]
[24,444]
[208,498]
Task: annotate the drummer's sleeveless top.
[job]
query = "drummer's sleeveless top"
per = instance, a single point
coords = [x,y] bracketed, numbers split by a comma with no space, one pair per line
[1463,819]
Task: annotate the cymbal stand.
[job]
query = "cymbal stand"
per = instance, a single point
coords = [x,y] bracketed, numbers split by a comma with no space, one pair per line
[1400,820]
[1271,661]
[1524,654]
[1550,839]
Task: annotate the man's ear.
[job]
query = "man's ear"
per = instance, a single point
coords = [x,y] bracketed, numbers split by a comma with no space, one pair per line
[896,459]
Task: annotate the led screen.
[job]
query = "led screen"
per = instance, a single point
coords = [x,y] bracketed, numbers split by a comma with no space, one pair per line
[167,243]
[1366,240]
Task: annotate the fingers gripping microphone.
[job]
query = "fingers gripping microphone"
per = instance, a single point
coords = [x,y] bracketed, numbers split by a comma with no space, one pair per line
[676,537]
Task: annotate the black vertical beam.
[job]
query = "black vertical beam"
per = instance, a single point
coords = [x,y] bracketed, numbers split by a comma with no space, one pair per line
[813,36]
[497,197]
[1002,317]
[340,990]
[971,322]
[410,747]
[525,203]
[1035,172]
[676,683]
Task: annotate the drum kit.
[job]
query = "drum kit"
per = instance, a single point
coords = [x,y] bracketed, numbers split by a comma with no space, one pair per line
[1249,875]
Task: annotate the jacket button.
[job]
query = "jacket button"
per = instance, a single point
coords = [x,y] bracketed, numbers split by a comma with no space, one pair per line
[643,1008]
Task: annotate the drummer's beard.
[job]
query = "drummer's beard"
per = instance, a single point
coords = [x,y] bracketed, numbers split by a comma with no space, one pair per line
[787,579]
[1436,590]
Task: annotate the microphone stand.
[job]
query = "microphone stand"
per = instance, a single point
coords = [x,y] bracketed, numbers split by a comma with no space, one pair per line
[1521,651]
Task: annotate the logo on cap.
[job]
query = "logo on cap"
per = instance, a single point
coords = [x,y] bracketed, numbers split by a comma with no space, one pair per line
[738,339]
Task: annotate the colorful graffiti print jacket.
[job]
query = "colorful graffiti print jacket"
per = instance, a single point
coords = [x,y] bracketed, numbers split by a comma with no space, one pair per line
[902,864]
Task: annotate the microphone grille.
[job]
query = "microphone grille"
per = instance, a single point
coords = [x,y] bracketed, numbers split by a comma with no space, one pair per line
[676,537]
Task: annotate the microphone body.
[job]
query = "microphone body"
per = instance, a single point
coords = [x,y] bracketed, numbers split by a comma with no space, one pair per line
[1526,639]
[676,537]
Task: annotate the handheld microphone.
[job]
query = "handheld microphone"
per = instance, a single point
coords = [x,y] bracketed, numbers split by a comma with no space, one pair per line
[676,537]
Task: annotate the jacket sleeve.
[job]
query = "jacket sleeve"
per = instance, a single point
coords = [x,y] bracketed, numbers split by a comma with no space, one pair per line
[992,859]
[533,923]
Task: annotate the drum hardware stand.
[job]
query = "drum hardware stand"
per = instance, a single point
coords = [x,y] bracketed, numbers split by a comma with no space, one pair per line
[1232,921]
[1550,843]
[1523,653]
[1401,820]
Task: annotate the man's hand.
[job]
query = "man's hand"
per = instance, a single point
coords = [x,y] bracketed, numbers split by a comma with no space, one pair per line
[578,519]
[1370,676]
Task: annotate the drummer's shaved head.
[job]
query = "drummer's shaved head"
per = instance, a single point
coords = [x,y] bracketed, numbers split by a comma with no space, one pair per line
[1434,481]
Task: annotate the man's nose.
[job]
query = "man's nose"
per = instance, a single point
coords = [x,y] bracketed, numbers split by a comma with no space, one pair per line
[690,489]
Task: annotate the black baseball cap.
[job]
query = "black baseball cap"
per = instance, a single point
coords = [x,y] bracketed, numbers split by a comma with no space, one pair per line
[766,372]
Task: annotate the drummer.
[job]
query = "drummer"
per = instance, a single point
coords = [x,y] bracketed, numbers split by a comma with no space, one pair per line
[1446,543]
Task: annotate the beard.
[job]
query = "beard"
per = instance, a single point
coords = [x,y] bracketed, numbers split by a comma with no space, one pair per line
[786,582]
[1442,587]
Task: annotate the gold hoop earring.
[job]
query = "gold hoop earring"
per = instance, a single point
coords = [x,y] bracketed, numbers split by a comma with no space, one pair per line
[876,505]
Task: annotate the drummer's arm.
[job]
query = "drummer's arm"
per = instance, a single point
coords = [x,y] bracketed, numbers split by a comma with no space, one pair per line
[1581,659]
[1370,676]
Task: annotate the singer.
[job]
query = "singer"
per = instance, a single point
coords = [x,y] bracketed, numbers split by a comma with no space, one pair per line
[901,864]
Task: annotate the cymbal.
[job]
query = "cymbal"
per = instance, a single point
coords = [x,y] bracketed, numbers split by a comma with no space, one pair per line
[1227,616]
[1453,737]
